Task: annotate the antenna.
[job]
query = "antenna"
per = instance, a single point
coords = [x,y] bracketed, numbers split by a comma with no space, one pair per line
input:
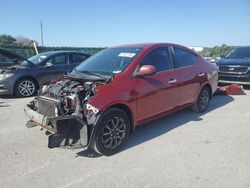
[42,32]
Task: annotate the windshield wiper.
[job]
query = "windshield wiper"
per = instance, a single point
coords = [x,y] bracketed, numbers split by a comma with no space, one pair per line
[90,73]
[88,76]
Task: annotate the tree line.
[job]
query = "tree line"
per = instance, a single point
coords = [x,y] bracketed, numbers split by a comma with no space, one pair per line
[217,51]
[19,40]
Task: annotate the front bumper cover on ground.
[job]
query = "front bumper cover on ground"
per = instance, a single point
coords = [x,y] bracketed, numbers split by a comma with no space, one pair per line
[66,130]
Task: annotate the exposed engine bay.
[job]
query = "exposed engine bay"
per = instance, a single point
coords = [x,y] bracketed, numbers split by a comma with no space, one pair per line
[62,108]
[71,96]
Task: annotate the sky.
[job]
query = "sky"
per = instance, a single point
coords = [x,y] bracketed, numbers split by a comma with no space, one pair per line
[105,23]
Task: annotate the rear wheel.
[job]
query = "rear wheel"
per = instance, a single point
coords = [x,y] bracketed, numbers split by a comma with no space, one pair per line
[112,131]
[25,87]
[202,101]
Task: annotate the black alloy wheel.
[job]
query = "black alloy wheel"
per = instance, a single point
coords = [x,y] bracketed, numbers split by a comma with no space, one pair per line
[202,101]
[25,87]
[111,133]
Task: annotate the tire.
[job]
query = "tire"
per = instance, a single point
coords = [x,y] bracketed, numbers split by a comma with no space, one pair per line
[202,102]
[25,87]
[112,131]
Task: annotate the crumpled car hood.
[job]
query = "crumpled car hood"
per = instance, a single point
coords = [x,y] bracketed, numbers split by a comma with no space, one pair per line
[12,56]
[9,68]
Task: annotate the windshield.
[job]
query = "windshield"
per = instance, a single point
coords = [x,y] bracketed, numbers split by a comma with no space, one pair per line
[36,59]
[109,61]
[239,53]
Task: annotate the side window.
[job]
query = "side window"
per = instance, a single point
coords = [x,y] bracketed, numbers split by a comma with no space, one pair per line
[77,58]
[60,59]
[159,58]
[183,58]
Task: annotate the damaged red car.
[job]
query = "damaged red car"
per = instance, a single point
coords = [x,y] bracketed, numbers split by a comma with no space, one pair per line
[107,96]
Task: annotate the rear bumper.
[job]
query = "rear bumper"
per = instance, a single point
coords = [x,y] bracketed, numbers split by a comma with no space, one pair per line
[66,130]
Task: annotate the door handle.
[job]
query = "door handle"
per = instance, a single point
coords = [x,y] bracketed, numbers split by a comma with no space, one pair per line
[201,74]
[171,81]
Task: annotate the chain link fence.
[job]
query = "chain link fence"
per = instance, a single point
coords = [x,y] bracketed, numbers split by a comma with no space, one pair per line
[28,51]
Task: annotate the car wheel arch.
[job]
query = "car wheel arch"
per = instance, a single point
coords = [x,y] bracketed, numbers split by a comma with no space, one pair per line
[127,110]
[210,90]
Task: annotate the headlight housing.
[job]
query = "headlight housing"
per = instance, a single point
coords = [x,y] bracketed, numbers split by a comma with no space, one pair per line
[90,110]
[6,75]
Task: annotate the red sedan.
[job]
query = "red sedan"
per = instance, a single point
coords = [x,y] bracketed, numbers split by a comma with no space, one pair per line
[111,93]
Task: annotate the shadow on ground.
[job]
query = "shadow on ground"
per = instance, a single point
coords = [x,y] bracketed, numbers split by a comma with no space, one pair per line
[8,97]
[165,124]
[2,104]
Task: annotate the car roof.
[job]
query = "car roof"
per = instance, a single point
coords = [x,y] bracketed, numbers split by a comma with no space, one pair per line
[152,45]
[49,53]
[243,47]
[147,45]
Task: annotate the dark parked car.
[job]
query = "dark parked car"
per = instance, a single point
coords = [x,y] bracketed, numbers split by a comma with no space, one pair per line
[105,98]
[24,77]
[235,67]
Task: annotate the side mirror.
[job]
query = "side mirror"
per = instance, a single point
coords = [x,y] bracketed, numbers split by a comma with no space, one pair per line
[146,70]
[222,56]
[48,65]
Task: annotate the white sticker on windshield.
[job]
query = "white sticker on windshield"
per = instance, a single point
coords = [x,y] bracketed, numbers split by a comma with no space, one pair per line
[127,54]
[43,56]
[117,71]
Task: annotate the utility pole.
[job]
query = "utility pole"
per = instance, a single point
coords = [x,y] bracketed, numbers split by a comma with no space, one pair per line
[42,32]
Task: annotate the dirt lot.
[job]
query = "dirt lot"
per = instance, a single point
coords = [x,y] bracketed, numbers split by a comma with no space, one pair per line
[182,150]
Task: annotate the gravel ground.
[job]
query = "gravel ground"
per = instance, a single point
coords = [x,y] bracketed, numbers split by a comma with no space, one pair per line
[181,150]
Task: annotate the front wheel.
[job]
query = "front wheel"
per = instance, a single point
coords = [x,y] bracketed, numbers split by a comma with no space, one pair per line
[202,102]
[112,131]
[25,87]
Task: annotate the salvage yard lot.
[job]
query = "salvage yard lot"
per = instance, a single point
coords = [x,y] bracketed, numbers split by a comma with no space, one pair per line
[181,150]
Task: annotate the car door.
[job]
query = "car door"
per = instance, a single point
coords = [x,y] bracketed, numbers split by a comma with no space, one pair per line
[186,68]
[54,67]
[157,93]
[75,59]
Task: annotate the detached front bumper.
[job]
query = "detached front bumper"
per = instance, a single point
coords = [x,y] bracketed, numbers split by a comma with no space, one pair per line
[66,130]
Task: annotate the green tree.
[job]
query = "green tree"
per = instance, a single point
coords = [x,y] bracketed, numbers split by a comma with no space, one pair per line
[7,39]
[24,41]
[217,51]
